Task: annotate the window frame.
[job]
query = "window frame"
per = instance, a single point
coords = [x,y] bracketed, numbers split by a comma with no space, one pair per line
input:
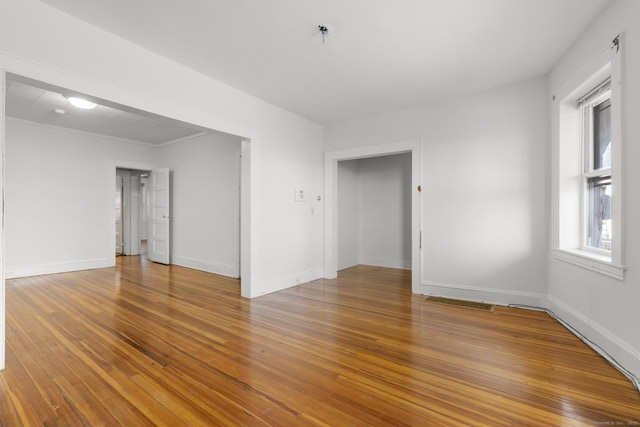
[598,96]
[570,170]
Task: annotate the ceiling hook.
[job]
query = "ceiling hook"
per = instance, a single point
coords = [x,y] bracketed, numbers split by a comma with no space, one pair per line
[324,31]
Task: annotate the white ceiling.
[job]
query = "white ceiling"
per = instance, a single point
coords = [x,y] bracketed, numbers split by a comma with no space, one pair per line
[380,55]
[35,101]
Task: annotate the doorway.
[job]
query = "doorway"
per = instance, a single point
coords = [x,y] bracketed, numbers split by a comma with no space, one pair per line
[331,213]
[131,211]
[374,212]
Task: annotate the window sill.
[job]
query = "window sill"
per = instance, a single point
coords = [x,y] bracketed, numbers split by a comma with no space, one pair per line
[594,262]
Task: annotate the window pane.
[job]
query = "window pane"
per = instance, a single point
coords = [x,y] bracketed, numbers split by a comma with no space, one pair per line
[602,135]
[599,227]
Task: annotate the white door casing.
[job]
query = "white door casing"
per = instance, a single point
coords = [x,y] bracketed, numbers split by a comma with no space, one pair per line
[118,207]
[144,210]
[158,244]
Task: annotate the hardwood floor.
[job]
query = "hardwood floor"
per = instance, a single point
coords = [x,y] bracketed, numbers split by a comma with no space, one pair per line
[147,344]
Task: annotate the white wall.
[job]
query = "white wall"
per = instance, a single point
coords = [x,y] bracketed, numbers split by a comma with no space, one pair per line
[374,212]
[289,247]
[604,309]
[206,203]
[348,214]
[59,197]
[385,211]
[484,189]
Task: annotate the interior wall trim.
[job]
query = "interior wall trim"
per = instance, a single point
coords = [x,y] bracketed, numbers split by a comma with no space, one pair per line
[56,267]
[223,269]
[480,294]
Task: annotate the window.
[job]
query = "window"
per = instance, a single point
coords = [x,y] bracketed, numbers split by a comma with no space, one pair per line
[596,114]
[587,185]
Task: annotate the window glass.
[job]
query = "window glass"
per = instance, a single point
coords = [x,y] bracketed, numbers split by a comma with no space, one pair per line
[599,227]
[602,135]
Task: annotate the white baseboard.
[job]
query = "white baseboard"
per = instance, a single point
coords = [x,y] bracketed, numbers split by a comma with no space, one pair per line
[12,272]
[488,295]
[288,281]
[228,270]
[388,263]
[600,339]
[345,266]
[619,350]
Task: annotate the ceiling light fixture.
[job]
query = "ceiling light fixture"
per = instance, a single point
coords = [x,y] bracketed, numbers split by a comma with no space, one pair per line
[81,103]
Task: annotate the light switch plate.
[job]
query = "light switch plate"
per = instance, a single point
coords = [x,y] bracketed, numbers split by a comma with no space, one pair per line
[298,195]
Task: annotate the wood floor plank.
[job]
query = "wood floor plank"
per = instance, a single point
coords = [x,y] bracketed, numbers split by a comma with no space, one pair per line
[147,344]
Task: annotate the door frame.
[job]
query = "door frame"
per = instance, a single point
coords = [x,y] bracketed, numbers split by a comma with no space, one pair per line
[123,164]
[120,241]
[412,146]
[131,209]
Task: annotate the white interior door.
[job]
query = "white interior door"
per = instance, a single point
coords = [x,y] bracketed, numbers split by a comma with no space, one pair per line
[158,244]
[118,215]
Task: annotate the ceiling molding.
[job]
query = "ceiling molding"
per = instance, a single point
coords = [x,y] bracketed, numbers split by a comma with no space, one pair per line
[81,132]
[183,139]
